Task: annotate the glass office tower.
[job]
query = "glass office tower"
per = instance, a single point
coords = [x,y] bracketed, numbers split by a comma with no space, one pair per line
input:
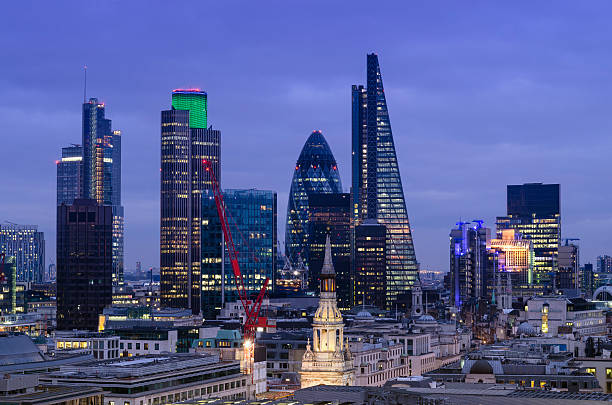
[185,143]
[84,263]
[253,223]
[330,215]
[534,212]
[101,173]
[27,245]
[316,171]
[376,183]
[69,170]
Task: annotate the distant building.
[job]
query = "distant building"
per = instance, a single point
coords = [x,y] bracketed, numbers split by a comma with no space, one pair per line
[553,316]
[101,173]
[69,172]
[84,263]
[568,274]
[469,262]
[8,287]
[370,264]
[604,264]
[533,210]
[27,245]
[376,182]
[186,140]
[316,171]
[587,279]
[513,254]
[253,222]
[330,214]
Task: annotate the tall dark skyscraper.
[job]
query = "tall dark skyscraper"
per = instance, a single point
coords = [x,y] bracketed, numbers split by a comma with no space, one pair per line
[253,224]
[185,143]
[316,171]
[84,263]
[377,185]
[69,172]
[101,173]
[370,281]
[534,212]
[330,215]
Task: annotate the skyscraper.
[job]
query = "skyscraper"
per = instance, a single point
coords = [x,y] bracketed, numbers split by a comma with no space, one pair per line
[101,173]
[330,216]
[84,263]
[253,222]
[512,254]
[534,212]
[370,264]
[27,245]
[377,185]
[185,143]
[316,171]
[469,262]
[604,264]
[69,171]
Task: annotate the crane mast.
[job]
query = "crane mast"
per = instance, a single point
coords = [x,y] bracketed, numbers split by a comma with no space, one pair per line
[251,308]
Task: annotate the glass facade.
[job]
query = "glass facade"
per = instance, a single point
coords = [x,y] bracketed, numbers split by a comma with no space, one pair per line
[316,171]
[84,263]
[330,214]
[8,288]
[470,267]
[370,264]
[183,181]
[69,169]
[534,212]
[253,223]
[27,245]
[101,173]
[377,186]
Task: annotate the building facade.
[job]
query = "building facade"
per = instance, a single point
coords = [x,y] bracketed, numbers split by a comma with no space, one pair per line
[604,264]
[101,173]
[376,183]
[316,171]
[469,262]
[533,210]
[513,255]
[84,263]
[69,171]
[329,360]
[568,275]
[253,217]
[27,245]
[329,214]
[370,264]
[185,142]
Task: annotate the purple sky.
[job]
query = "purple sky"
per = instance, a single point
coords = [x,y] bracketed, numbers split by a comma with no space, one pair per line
[480,94]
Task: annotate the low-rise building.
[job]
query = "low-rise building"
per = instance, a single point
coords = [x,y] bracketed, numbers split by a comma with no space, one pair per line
[161,379]
[553,316]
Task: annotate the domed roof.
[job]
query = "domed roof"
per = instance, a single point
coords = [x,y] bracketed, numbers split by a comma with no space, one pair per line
[426,318]
[526,328]
[364,314]
[481,367]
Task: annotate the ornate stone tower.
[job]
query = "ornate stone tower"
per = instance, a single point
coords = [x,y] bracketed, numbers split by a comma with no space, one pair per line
[329,360]
[417,299]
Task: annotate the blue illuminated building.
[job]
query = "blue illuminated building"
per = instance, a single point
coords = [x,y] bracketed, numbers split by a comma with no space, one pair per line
[253,223]
[316,171]
[469,262]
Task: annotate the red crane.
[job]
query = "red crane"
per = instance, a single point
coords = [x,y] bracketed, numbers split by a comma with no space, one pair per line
[251,308]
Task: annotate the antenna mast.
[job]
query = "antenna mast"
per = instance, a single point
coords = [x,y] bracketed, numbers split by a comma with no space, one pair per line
[85,85]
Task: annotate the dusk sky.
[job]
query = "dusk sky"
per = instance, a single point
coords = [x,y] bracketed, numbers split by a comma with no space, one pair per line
[480,95]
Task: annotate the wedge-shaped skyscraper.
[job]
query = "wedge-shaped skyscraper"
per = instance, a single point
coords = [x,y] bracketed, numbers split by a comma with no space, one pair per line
[377,186]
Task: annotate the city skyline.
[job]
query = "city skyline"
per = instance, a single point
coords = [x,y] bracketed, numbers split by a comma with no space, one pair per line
[508,113]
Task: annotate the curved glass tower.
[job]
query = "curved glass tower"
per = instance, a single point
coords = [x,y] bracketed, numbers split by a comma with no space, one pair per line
[316,171]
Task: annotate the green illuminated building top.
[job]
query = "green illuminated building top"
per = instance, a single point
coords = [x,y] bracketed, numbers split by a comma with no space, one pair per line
[194,101]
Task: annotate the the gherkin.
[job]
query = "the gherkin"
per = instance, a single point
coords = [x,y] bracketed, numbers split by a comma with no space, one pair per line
[316,171]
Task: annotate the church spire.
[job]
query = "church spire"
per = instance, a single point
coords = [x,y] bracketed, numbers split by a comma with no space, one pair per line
[328,265]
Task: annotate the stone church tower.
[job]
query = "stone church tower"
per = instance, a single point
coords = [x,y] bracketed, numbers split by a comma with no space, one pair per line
[329,360]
